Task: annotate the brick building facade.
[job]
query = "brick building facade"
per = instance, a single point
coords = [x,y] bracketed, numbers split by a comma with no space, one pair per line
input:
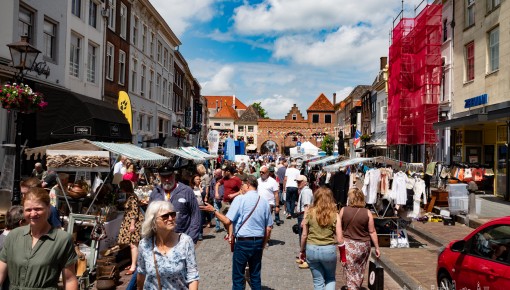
[280,135]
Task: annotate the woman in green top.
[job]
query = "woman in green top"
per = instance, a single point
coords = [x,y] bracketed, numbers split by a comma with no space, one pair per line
[35,255]
[320,226]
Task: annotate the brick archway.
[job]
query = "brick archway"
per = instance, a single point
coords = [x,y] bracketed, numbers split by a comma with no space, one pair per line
[269,146]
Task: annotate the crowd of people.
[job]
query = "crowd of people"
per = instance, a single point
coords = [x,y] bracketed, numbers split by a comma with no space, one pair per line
[245,200]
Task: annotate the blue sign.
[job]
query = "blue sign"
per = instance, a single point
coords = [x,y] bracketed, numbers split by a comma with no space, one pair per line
[476,101]
[298,143]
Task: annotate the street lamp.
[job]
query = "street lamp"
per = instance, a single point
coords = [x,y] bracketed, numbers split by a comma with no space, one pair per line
[23,56]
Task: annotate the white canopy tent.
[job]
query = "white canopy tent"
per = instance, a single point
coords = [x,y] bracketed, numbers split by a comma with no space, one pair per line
[334,167]
[305,148]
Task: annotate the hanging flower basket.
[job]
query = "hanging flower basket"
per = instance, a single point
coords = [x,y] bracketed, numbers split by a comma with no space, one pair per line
[21,98]
[182,133]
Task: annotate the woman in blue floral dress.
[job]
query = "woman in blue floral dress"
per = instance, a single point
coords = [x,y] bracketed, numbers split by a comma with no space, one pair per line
[166,259]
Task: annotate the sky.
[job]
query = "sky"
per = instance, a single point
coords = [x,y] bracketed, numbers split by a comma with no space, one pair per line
[283,52]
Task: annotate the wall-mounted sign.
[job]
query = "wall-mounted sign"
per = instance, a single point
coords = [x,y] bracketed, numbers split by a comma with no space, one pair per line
[476,101]
[114,130]
[82,130]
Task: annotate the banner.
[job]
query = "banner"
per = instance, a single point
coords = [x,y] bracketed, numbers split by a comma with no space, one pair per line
[124,104]
[213,139]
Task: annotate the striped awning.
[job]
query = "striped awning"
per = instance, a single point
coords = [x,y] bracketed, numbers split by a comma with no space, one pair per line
[196,152]
[336,166]
[323,160]
[145,157]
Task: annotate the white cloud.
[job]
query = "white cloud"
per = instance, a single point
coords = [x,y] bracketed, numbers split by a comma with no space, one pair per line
[278,16]
[276,106]
[180,14]
[220,83]
[343,93]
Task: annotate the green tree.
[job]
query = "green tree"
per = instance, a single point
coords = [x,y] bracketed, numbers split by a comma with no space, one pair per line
[328,145]
[262,112]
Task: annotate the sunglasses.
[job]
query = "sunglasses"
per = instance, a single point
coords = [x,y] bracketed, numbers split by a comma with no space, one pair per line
[264,172]
[167,215]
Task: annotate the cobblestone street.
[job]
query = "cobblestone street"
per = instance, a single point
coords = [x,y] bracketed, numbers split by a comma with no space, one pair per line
[279,270]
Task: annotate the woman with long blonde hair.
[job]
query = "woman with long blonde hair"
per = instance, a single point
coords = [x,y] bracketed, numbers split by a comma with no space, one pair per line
[318,243]
[357,230]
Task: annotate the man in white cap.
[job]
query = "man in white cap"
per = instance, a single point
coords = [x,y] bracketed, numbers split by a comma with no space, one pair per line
[305,200]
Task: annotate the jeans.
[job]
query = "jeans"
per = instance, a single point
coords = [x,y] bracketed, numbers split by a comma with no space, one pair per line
[322,262]
[247,252]
[132,282]
[300,228]
[276,215]
[291,199]
[217,206]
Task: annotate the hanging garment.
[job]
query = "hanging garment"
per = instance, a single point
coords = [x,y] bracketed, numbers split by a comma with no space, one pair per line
[460,176]
[489,172]
[468,175]
[385,181]
[444,172]
[419,190]
[371,185]
[399,191]
[431,167]
[366,182]
[477,174]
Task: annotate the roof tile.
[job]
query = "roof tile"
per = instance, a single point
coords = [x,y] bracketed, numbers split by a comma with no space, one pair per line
[211,102]
[322,103]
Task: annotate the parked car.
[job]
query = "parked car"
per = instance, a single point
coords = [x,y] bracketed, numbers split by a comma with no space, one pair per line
[479,261]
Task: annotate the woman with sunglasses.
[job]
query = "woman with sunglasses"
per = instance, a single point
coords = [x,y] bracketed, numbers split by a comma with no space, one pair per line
[166,259]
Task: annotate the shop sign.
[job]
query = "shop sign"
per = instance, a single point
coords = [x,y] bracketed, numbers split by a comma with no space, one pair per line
[114,130]
[298,143]
[476,101]
[82,130]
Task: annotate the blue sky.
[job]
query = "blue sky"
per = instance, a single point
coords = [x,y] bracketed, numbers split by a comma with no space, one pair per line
[282,52]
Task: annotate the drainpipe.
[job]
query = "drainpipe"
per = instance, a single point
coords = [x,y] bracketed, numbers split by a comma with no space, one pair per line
[507,193]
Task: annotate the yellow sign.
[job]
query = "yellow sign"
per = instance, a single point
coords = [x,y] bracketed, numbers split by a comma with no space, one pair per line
[124,104]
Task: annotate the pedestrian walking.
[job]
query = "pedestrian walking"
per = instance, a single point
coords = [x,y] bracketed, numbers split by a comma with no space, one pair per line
[318,241]
[356,232]
[130,229]
[305,200]
[290,188]
[250,217]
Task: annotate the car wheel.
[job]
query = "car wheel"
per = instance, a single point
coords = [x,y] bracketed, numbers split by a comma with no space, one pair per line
[444,282]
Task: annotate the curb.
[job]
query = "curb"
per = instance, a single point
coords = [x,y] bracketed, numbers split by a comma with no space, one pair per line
[405,281]
[428,236]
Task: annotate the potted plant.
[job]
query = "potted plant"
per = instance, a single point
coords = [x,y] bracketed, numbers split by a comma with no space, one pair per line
[21,98]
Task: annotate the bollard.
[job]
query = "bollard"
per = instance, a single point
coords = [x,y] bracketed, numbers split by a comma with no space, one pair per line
[472,204]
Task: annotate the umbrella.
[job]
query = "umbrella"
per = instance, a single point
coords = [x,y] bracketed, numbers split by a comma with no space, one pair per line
[341,146]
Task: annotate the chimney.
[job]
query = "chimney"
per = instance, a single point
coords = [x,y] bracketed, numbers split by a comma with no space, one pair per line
[334,99]
[234,101]
[217,109]
[384,61]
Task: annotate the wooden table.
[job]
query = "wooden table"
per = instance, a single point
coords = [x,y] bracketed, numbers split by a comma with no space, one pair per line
[437,197]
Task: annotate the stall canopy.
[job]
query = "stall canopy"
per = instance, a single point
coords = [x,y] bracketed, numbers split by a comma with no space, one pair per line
[323,160]
[145,157]
[334,167]
[189,153]
[305,148]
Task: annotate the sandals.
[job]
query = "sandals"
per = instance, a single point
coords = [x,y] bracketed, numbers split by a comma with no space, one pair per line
[129,272]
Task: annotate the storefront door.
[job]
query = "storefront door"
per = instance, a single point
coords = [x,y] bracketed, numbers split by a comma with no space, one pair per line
[501,174]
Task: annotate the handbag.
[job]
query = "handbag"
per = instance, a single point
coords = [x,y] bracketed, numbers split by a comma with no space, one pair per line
[375,276]
[233,241]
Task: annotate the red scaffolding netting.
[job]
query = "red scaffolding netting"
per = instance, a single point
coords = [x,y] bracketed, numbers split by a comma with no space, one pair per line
[415,78]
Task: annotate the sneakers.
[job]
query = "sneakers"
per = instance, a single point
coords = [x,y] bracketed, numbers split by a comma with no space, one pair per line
[304,265]
[289,216]
[299,261]
[200,237]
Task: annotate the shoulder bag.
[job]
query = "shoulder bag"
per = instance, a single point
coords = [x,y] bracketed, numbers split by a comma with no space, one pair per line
[233,241]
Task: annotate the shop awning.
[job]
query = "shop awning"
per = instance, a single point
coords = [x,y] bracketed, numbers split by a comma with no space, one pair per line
[145,157]
[498,112]
[322,160]
[70,115]
[178,152]
[352,161]
[197,152]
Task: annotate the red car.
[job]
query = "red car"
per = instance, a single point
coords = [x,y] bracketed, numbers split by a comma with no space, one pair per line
[479,261]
